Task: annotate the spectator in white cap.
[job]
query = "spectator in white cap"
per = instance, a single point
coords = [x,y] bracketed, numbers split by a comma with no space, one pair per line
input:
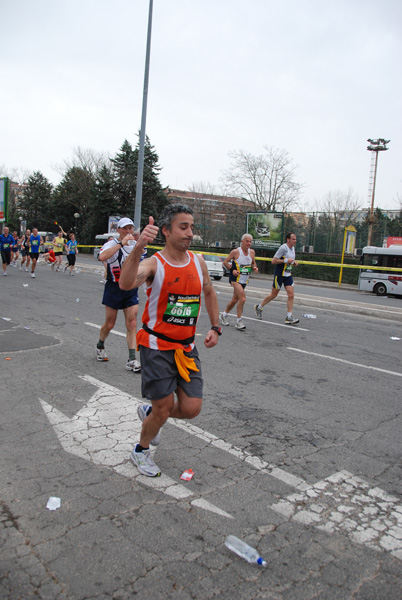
[113,254]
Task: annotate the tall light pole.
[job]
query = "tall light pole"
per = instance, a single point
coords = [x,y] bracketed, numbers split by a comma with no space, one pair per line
[375,146]
[140,170]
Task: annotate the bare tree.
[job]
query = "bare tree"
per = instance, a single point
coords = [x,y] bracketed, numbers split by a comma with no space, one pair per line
[17,174]
[84,158]
[337,210]
[346,204]
[203,187]
[268,180]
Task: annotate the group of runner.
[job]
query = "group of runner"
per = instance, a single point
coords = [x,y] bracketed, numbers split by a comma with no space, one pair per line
[173,279]
[30,244]
[240,263]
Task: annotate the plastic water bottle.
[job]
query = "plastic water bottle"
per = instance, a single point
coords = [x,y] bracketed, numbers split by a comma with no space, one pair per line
[244,550]
[309,316]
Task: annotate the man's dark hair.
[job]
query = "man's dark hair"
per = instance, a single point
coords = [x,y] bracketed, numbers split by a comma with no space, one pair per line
[289,234]
[169,213]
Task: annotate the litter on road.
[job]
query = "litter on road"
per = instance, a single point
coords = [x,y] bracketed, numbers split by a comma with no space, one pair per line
[187,475]
[53,503]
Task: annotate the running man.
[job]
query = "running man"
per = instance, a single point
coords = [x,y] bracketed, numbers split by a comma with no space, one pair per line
[6,243]
[174,279]
[114,253]
[25,250]
[35,242]
[240,262]
[58,247]
[284,260]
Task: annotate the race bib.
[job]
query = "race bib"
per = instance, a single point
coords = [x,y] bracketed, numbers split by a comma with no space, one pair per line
[182,310]
[245,270]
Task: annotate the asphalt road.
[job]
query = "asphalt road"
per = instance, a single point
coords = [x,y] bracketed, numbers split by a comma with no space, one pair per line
[297,451]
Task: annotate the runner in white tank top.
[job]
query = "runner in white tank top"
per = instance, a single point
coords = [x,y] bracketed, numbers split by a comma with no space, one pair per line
[240,262]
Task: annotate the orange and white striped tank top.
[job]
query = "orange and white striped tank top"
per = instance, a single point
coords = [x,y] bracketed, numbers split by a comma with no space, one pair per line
[173,305]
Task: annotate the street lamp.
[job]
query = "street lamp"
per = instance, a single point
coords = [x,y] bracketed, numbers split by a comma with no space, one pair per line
[375,146]
[76,217]
[141,152]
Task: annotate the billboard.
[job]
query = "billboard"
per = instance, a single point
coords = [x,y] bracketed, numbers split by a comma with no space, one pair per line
[3,198]
[266,229]
[350,240]
[394,241]
[112,225]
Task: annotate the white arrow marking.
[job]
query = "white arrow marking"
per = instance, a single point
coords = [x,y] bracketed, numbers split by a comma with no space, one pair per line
[340,503]
[101,432]
[346,503]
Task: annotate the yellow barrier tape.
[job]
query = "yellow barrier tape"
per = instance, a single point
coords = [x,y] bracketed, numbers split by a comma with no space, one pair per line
[300,262]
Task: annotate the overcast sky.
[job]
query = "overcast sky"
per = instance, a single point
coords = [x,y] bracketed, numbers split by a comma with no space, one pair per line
[314,77]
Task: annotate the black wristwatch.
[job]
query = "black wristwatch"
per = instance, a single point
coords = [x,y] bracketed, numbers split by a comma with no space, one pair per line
[217,329]
[121,244]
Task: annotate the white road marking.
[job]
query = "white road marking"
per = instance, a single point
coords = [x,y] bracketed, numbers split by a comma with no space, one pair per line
[343,503]
[201,503]
[347,362]
[99,326]
[292,327]
[254,461]
[101,432]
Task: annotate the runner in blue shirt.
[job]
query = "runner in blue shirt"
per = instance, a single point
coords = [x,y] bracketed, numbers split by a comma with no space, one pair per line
[35,241]
[6,243]
[72,251]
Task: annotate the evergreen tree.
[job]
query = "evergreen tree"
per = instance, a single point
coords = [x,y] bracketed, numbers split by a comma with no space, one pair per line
[74,194]
[395,226]
[124,173]
[153,197]
[35,204]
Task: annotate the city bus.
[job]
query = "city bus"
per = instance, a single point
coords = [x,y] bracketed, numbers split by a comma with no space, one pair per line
[381,282]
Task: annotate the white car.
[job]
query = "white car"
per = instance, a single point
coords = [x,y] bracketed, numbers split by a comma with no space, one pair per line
[102,238]
[214,266]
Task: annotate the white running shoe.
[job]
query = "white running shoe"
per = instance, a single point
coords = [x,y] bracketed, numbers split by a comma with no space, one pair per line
[222,319]
[258,311]
[5,273]
[142,411]
[291,320]
[145,463]
[101,355]
[240,325]
[32,274]
[26,269]
[133,365]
